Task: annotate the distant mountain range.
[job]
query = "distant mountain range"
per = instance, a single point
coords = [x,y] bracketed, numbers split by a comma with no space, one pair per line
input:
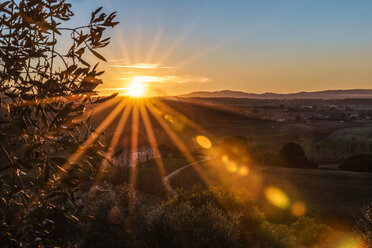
[326,94]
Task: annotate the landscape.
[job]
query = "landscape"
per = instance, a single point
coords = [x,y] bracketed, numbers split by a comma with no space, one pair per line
[185,124]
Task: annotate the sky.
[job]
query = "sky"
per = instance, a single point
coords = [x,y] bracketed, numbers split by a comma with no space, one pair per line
[257,46]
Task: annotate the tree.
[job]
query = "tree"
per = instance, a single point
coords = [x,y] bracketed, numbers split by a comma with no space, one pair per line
[220,217]
[44,93]
[358,162]
[294,156]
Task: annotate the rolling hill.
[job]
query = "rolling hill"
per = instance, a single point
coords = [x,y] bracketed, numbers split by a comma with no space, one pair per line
[326,94]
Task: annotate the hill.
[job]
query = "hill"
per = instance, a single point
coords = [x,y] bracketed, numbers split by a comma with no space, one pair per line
[326,94]
[213,118]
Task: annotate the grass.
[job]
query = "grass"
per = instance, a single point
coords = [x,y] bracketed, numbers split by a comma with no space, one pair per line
[170,164]
[331,196]
[149,178]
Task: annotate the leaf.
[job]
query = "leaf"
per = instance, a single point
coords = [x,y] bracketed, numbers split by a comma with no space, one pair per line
[103,99]
[4,201]
[86,218]
[99,73]
[62,114]
[36,161]
[95,66]
[58,160]
[59,167]
[84,62]
[70,69]
[72,219]
[97,55]
[27,166]
[95,13]
[81,39]
[80,51]
[46,172]
[100,18]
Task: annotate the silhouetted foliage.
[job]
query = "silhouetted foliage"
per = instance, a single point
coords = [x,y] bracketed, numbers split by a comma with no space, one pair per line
[294,156]
[220,218]
[117,211]
[359,162]
[363,225]
[44,93]
[292,152]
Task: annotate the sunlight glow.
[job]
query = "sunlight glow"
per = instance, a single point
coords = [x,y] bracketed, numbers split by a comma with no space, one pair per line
[137,87]
[134,146]
[178,142]
[114,142]
[154,145]
[93,136]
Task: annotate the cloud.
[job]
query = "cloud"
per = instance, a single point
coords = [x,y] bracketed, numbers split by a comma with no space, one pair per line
[142,66]
[153,80]
[184,79]
[171,79]
[112,89]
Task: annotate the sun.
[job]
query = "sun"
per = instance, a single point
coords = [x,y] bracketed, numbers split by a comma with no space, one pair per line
[137,87]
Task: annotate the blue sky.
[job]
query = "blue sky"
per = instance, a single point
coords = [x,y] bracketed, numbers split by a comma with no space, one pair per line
[256,46]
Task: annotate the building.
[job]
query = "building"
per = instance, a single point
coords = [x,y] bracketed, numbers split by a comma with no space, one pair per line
[131,158]
[125,156]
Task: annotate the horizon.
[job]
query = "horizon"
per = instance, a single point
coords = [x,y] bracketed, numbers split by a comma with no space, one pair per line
[272,92]
[346,91]
[191,124]
[181,47]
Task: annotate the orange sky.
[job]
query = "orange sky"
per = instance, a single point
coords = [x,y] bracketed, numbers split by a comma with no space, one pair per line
[253,46]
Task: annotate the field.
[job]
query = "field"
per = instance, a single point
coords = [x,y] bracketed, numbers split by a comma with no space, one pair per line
[331,196]
[149,178]
[334,197]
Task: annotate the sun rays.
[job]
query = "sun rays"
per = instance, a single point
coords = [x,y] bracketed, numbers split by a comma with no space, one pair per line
[156,63]
[132,114]
[136,110]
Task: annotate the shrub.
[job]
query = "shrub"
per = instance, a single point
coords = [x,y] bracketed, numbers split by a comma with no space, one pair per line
[273,236]
[116,211]
[307,232]
[221,218]
[272,159]
[294,156]
[44,91]
[363,225]
[182,224]
[359,162]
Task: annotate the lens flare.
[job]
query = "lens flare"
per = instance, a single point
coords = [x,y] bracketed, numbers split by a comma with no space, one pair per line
[351,242]
[298,209]
[203,141]
[225,159]
[277,197]
[231,167]
[243,171]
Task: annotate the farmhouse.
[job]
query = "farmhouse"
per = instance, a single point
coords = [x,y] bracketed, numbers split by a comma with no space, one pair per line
[130,158]
[126,156]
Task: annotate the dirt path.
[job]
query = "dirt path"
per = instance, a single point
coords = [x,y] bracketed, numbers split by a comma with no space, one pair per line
[173,173]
